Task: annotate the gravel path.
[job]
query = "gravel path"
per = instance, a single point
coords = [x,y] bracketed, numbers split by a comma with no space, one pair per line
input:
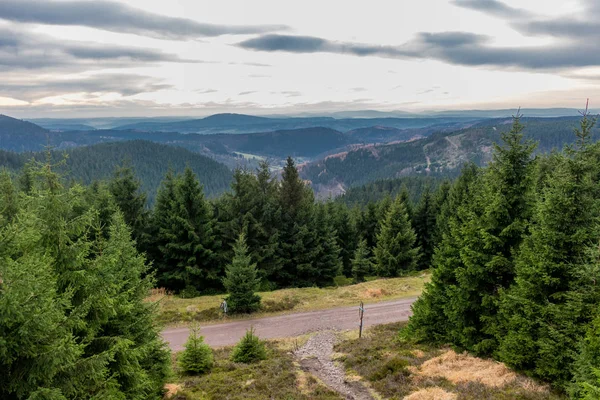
[315,357]
[292,325]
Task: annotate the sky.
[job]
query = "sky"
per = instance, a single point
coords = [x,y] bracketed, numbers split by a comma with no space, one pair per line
[98,58]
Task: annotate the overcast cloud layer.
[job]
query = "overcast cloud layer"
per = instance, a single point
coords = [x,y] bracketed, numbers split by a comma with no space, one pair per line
[116,17]
[143,57]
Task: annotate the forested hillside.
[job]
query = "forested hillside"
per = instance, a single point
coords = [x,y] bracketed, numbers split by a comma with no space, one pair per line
[17,135]
[375,191]
[150,161]
[441,153]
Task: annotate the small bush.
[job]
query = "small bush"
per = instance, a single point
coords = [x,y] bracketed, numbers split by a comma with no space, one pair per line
[285,304]
[391,367]
[197,358]
[341,280]
[189,292]
[250,349]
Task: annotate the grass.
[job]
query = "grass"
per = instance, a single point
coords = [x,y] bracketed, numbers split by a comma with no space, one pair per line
[277,377]
[399,370]
[174,310]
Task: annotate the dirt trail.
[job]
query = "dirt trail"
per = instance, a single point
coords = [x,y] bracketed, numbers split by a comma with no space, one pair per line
[315,358]
[292,325]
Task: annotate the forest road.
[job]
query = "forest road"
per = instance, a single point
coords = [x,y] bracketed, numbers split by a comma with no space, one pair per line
[291,325]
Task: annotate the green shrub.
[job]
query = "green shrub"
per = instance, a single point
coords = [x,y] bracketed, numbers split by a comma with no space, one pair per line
[391,367]
[197,358]
[341,280]
[250,349]
[285,304]
[189,292]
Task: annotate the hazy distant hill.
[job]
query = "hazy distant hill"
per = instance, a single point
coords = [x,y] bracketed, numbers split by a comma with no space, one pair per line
[441,153]
[150,161]
[18,135]
[238,123]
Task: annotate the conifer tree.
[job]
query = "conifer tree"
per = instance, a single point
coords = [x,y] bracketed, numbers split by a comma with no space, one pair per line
[252,205]
[87,331]
[405,198]
[586,369]
[327,263]
[368,224]
[396,252]
[494,225]
[168,274]
[347,237]
[424,224]
[190,241]
[250,349]
[545,312]
[361,263]
[125,188]
[26,178]
[298,241]
[241,281]
[36,345]
[429,321]
[197,357]
[8,198]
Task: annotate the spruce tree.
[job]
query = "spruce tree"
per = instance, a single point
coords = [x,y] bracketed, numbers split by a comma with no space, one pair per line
[8,198]
[189,246]
[88,331]
[425,224]
[241,281]
[494,226]
[396,252]
[250,349]
[361,263]
[587,364]
[429,321]
[327,263]
[197,357]
[125,188]
[346,235]
[367,224]
[545,312]
[298,241]
[162,223]
[37,344]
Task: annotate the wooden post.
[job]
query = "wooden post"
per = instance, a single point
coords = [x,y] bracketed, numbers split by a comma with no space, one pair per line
[361,311]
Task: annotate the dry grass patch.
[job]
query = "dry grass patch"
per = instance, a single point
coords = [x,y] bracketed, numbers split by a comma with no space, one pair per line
[399,370]
[174,310]
[431,394]
[459,368]
[172,389]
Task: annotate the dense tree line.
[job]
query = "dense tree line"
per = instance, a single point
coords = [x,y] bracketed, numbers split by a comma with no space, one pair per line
[73,320]
[516,267]
[149,160]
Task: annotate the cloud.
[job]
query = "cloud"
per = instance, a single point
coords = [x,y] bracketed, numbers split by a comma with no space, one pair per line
[493,7]
[123,84]
[205,91]
[246,93]
[563,27]
[460,48]
[116,17]
[23,50]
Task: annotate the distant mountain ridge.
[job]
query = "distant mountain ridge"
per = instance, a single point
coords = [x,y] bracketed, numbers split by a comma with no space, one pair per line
[442,153]
[239,123]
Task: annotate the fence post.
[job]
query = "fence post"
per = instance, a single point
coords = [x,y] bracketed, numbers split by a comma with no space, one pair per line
[361,311]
